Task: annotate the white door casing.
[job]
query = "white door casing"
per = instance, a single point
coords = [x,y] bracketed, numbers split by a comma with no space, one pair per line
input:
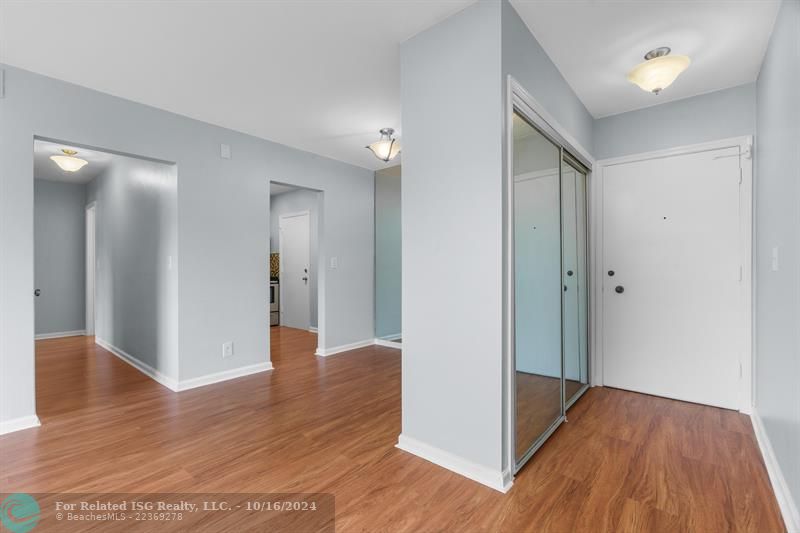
[676,233]
[294,247]
[91,262]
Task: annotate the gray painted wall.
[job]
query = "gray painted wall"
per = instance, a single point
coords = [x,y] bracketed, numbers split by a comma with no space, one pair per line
[452,223]
[60,256]
[707,117]
[452,236]
[777,314]
[223,226]
[525,60]
[136,288]
[388,253]
[293,202]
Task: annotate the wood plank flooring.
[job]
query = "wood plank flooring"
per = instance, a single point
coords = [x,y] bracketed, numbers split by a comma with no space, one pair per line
[538,405]
[623,462]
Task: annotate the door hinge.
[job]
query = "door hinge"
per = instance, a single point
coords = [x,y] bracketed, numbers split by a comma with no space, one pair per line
[741,274]
[740,369]
[740,175]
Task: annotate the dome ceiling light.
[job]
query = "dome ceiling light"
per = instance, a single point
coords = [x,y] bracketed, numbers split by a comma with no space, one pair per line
[69,162]
[387,147]
[658,71]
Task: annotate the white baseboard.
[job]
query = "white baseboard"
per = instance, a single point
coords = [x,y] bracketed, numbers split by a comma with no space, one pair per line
[59,334]
[388,344]
[18,424]
[144,368]
[324,352]
[791,516]
[313,329]
[225,375]
[495,479]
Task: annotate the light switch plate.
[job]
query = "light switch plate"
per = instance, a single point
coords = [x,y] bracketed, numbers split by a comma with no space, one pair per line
[227,349]
[225,151]
[334,262]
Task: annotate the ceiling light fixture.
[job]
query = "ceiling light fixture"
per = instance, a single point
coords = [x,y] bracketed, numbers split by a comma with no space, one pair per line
[387,147]
[658,71]
[69,162]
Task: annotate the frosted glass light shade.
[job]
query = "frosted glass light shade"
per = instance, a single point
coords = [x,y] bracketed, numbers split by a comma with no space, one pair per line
[655,75]
[69,163]
[386,148]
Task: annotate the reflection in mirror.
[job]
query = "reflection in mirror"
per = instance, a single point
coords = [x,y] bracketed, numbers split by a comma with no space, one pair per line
[387,255]
[537,286]
[575,303]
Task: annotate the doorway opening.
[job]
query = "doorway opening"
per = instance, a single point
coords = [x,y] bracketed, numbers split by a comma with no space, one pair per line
[105,263]
[295,259]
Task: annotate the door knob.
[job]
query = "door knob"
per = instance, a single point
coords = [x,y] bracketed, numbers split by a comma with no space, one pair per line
[304,278]
[610,272]
[619,289]
[37,292]
[569,272]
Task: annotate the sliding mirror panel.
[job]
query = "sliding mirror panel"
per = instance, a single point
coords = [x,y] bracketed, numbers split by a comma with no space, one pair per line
[537,283]
[575,297]
[388,256]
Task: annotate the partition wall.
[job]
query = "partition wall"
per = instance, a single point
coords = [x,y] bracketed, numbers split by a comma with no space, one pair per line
[548,280]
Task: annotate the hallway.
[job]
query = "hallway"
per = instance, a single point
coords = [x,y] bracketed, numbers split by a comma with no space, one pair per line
[330,424]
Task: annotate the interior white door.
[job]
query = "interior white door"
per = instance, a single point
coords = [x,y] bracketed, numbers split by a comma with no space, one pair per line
[294,248]
[673,321]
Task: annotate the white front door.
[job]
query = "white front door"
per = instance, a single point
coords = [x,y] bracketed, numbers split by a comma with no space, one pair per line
[294,265]
[673,322]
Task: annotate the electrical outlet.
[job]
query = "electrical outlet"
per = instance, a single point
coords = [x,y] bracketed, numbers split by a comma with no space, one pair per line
[334,262]
[227,349]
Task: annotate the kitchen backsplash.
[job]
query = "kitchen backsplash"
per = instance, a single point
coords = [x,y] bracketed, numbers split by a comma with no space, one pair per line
[274,265]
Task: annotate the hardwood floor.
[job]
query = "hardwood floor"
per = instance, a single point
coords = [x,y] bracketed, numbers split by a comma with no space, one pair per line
[623,462]
[538,405]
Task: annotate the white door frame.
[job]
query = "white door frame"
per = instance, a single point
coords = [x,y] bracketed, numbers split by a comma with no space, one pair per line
[746,239]
[281,218]
[91,268]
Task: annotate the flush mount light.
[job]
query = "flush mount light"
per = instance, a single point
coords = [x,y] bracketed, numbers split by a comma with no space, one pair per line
[658,71]
[69,162]
[387,147]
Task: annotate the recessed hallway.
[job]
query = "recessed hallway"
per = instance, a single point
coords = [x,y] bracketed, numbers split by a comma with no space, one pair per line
[623,462]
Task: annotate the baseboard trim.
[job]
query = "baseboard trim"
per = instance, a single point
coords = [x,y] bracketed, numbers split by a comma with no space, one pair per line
[497,480]
[388,344]
[18,424]
[325,352]
[791,516]
[144,368]
[313,329]
[60,334]
[225,375]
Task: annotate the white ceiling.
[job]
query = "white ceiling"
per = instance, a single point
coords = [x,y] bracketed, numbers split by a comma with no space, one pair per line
[319,75]
[324,75]
[594,43]
[46,169]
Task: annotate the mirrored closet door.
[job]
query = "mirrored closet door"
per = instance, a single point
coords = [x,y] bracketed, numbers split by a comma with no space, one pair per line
[550,306]
[575,299]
